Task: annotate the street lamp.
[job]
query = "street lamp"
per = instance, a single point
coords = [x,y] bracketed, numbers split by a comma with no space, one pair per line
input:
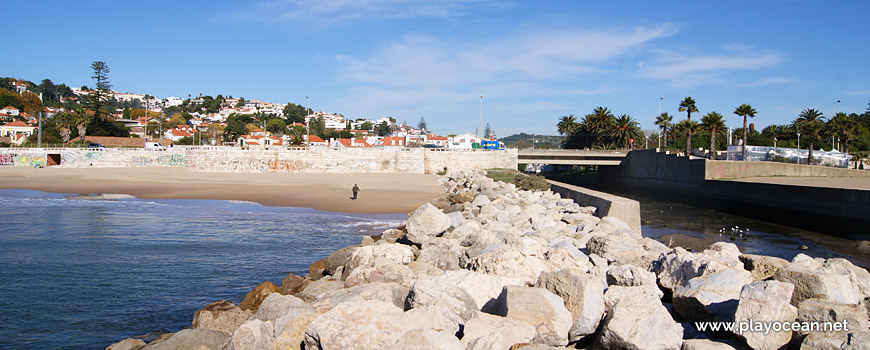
[480,129]
[307,127]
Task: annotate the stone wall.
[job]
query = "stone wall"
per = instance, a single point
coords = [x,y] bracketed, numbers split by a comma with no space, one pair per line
[228,159]
[606,204]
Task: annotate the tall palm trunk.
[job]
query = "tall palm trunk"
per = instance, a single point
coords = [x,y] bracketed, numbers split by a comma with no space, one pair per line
[712,155]
[810,156]
[688,144]
[745,133]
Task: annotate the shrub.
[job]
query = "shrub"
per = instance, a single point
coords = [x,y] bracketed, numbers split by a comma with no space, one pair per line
[531,182]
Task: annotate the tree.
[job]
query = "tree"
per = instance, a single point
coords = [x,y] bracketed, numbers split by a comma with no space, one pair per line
[713,123]
[688,128]
[567,124]
[422,124]
[9,98]
[810,122]
[844,127]
[297,135]
[487,131]
[82,119]
[744,111]
[598,123]
[30,103]
[236,126]
[317,126]
[367,125]
[100,94]
[625,129]
[49,90]
[383,129]
[688,106]
[664,121]
[65,123]
[276,126]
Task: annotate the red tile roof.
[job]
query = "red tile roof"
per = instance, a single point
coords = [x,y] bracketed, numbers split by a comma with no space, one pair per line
[17,123]
[314,138]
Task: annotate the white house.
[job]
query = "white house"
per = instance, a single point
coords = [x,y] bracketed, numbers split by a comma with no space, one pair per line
[440,141]
[17,131]
[9,110]
[332,121]
[463,141]
[259,139]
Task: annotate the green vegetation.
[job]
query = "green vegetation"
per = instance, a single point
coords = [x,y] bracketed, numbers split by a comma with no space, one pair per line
[523,140]
[600,129]
[523,181]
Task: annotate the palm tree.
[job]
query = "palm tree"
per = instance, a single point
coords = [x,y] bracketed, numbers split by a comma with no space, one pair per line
[689,128]
[624,129]
[567,124]
[810,122]
[744,111]
[713,123]
[598,122]
[841,126]
[664,121]
[688,106]
[65,124]
[81,120]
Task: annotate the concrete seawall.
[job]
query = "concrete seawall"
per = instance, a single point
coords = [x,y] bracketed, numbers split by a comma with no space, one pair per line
[837,211]
[228,159]
[627,210]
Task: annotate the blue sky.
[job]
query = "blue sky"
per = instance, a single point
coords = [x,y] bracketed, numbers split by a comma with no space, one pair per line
[533,61]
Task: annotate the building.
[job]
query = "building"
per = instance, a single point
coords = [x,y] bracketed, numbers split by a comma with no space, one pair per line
[393,141]
[17,131]
[345,143]
[463,141]
[10,111]
[331,121]
[259,139]
[315,140]
[440,141]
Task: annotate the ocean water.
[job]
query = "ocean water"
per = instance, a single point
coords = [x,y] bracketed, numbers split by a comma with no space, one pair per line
[82,272]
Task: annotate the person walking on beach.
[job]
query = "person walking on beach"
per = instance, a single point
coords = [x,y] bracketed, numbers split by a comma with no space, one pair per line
[355,191]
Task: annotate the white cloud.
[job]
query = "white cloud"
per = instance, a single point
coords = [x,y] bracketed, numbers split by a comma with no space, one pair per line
[681,68]
[770,81]
[319,14]
[858,92]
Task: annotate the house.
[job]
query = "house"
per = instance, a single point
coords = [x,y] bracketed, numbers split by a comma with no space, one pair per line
[10,111]
[393,141]
[440,141]
[257,138]
[315,140]
[343,143]
[463,141]
[17,131]
[19,87]
[176,134]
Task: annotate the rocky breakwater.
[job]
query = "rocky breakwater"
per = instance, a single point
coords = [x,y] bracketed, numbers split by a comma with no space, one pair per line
[488,266]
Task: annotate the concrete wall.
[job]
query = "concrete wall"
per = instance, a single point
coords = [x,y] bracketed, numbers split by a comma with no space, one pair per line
[228,159]
[733,170]
[627,210]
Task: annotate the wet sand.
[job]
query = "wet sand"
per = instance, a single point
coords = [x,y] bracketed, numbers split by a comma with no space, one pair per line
[379,193]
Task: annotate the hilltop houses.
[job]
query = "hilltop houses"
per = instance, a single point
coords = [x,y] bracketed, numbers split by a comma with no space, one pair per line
[16,132]
[259,139]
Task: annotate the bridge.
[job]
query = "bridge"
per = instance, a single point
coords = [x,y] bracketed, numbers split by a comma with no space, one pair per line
[570,157]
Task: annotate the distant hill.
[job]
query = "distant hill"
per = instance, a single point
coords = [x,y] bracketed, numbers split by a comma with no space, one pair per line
[523,140]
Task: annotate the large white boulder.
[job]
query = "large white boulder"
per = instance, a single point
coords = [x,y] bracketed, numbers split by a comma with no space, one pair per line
[373,255]
[583,295]
[276,305]
[221,316]
[253,335]
[386,292]
[812,279]
[484,331]
[382,272]
[427,339]
[427,221]
[432,292]
[678,266]
[204,339]
[711,297]
[640,322]
[358,324]
[539,308]
[525,263]
[765,302]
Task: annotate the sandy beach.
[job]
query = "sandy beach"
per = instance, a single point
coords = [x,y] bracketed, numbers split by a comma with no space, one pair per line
[379,193]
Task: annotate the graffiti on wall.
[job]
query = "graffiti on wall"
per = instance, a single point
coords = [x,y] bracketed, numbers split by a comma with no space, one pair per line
[89,156]
[34,160]
[68,157]
[171,160]
[285,165]
[140,161]
[242,165]
[7,159]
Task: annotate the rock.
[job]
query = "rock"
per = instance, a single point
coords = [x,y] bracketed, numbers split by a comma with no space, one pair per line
[639,322]
[456,219]
[370,256]
[484,289]
[276,305]
[442,258]
[820,310]
[525,263]
[539,308]
[127,344]
[711,297]
[762,302]
[614,294]
[360,324]
[858,341]
[435,317]
[317,269]
[824,341]
[762,267]
[610,224]
[430,292]
[630,276]
[392,235]
[615,248]
[427,221]
[863,247]
[257,295]
[583,296]
[186,339]
[292,284]
[707,344]
[484,331]
[424,270]
[465,229]
[316,289]
[221,316]
[290,328]
[480,200]
[367,240]
[678,266]
[427,339]
[812,280]
[253,335]
[462,197]
[337,259]
[382,272]
[386,292]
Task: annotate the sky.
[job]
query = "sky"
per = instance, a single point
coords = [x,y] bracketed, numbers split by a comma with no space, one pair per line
[531,61]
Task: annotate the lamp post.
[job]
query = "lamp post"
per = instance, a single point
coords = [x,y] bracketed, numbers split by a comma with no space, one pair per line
[660,113]
[799,147]
[39,133]
[307,128]
[480,129]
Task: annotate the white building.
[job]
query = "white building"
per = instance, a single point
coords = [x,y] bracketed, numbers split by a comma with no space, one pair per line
[332,121]
[463,141]
[172,101]
[9,110]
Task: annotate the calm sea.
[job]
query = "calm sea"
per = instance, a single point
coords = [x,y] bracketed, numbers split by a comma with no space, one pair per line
[83,273]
